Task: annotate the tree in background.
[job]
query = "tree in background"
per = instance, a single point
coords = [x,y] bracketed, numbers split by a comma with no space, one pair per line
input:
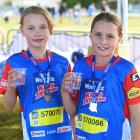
[84,3]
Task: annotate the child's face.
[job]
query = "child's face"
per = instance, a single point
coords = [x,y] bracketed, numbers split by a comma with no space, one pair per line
[35,29]
[105,38]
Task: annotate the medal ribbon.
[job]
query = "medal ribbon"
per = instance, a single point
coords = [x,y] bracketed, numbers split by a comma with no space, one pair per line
[46,82]
[98,87]
[34,62]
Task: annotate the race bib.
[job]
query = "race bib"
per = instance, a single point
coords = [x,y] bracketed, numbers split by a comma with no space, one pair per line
[91,124]
[48,116]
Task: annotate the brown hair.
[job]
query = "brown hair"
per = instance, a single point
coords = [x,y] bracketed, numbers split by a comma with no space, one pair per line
[106,16]
[37,10]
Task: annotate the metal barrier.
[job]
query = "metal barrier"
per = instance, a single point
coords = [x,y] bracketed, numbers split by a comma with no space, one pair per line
[1,42]
[68,41]
[134,43]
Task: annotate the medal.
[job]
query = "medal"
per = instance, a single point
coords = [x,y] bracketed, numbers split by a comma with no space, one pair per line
[93,106]
[97,87]
[45,78]
[47,96]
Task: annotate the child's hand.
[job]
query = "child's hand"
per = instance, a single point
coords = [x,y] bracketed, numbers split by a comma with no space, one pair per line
[67,82]
[13,76]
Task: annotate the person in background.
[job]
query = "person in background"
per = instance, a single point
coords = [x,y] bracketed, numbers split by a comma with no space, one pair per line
[77,55]
[105,6]
[109,97]
[42,111]
[62,11]
[91,9]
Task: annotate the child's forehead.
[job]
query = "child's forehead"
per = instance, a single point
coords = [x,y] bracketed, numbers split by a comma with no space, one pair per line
[34,19]
[103,21]
[105,24]
[34,16]
[105,27]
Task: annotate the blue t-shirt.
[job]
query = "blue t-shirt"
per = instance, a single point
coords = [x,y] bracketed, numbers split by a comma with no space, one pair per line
[41,120]
[103,119]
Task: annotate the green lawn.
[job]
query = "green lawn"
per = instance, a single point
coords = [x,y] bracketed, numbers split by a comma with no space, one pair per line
[67,24]
[10,123]
[134,24]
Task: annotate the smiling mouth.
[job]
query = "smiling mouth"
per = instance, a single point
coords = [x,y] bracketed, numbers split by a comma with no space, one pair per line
[102,48]
[37,40]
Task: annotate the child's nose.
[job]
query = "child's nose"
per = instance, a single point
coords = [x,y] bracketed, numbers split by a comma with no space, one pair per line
[103,40]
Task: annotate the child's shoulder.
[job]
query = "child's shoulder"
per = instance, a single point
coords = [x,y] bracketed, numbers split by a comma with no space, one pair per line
[59,58]
[124,61]
[14,56]
[85,60]
[124,65]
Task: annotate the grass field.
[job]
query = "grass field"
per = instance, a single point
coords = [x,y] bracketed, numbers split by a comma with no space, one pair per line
[67,24]
[10,123]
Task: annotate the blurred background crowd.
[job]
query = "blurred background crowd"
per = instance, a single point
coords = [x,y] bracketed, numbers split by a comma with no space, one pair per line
[69,8]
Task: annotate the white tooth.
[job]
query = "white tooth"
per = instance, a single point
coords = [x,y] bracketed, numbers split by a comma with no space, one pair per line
[102,48]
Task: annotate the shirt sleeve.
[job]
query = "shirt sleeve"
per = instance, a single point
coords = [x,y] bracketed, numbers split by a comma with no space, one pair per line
[4,79]
[132,87]
[69,68]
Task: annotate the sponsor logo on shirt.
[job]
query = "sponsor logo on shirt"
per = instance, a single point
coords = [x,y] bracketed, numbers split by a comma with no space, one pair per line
[63,129]
[3,83]
[92,87]
[35,115]
[88,86]
[49,132]
[52,88]
[42,79]
[40,92]
[80,138]
[135,77]
[134,92]
[38,133]
[89,95]
[41,89]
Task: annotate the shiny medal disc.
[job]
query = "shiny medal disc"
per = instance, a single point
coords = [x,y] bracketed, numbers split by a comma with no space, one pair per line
[47,96]
[93,107]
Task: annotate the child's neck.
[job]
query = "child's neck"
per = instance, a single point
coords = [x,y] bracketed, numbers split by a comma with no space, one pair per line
[102,61]
[38,53]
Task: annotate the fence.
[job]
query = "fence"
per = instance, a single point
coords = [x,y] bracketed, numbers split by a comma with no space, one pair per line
[65,42]
[134,42]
